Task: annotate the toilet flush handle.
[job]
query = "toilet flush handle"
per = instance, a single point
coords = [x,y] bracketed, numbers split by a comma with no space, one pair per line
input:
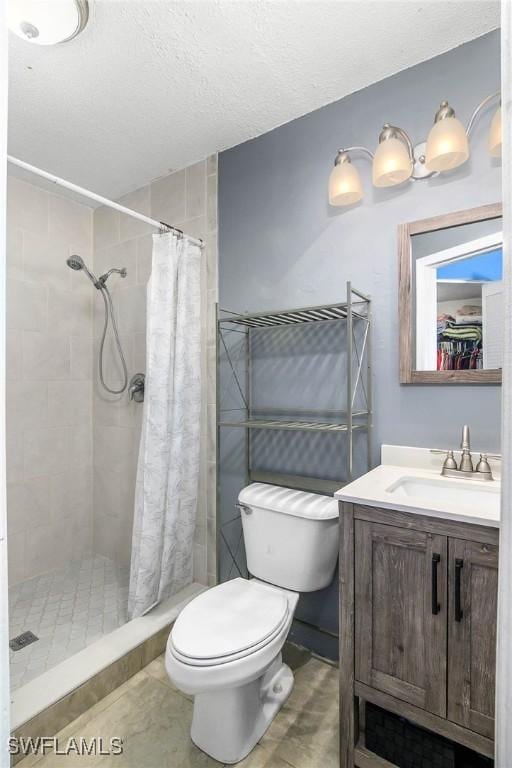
[243,508]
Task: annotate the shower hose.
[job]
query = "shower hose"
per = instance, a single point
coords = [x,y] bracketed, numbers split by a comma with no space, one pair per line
[109,312]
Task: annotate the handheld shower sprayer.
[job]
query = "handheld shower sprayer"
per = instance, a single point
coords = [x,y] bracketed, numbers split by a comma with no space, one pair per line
[77,263]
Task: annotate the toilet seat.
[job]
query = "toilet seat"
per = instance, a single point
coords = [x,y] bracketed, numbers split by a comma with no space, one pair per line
[229,622]
[216,661]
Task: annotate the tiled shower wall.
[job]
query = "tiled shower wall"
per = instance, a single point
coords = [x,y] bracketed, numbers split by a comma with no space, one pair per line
[72,449]
[188,200]
[49,382]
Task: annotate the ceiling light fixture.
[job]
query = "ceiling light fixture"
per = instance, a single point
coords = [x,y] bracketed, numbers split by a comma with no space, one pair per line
[397,160]
[47,22]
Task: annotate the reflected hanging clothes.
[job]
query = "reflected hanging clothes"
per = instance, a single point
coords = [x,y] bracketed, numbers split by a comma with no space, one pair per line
[458,356]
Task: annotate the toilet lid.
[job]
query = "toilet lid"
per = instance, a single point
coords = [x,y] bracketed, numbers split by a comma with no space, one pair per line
[229,619]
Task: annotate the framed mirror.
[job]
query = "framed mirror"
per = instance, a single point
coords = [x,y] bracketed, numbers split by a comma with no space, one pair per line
[451,298]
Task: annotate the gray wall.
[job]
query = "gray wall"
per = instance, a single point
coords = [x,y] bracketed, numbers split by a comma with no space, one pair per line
[282,245]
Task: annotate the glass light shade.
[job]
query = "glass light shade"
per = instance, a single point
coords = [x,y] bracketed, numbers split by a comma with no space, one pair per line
[391,164]
[447,145]
[344,185]
[47,22]
[494,143]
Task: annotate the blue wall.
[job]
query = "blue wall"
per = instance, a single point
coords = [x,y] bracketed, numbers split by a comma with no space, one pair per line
[282,245]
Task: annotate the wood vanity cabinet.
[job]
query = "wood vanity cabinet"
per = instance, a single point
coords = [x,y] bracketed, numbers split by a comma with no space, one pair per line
[473,574]
[400,643]
[418,607]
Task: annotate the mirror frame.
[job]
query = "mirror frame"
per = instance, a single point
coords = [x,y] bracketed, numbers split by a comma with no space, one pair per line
[408,374]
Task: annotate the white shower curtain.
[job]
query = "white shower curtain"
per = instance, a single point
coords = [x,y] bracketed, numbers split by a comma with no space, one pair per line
[168,467]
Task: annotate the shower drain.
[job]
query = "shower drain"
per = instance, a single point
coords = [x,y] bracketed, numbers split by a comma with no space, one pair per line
[21,641]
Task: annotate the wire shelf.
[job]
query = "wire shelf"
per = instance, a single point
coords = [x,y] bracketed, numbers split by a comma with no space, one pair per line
[304,426]
[353,319]
[324,313]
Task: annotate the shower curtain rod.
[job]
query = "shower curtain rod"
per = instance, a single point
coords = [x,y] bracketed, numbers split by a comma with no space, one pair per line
[99,199]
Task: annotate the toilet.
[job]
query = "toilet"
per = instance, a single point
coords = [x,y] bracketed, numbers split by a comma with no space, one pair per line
[225,646]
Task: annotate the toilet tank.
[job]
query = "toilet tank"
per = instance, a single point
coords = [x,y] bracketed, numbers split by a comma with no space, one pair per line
[291,537]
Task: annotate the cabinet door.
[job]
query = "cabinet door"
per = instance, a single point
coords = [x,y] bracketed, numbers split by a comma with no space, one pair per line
[400,621]
[473,598]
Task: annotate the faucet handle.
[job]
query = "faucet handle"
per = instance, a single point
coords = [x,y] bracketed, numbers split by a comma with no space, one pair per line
[136,387]
[483,465]
[449,462]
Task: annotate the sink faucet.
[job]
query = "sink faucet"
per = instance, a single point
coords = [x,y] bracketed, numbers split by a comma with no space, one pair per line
[466,462]
[465,468]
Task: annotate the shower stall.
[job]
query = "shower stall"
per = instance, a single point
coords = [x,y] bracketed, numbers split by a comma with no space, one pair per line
[66,362]
[57,611]
[76,358]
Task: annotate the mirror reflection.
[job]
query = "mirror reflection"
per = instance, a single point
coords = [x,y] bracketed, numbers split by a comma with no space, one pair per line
[458,298]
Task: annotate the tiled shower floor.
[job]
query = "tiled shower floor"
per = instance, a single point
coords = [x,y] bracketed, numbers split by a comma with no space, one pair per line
[67,610]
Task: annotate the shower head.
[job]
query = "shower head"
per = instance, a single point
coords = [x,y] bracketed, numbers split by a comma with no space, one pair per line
[77,263]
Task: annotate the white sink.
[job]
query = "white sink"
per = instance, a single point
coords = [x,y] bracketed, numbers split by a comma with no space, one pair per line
[409,480]
[468,494]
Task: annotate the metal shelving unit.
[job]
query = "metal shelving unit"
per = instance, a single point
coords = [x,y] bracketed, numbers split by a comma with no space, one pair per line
[355,311]
[301,426]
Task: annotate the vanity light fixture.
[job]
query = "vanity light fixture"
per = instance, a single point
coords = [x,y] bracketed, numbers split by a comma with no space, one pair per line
[494,143]
[47,22]
[447,143]
[345,186]
[397,160]
[394,158]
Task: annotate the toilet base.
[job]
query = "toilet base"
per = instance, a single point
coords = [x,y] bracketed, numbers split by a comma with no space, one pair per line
[228,724]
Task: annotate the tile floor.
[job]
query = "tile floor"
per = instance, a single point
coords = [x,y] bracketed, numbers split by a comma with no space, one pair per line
[67,610]
[153,720]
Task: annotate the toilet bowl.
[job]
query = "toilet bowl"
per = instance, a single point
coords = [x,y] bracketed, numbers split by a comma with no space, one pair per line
[225,649]
[225,646]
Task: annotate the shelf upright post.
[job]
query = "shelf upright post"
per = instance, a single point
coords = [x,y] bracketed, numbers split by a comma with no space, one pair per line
[349,383]
[248,388]
[217,442]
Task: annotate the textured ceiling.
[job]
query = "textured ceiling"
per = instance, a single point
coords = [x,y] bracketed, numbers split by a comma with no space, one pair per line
[153,86]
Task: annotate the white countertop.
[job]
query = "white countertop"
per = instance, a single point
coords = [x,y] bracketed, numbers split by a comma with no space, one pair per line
[467,501]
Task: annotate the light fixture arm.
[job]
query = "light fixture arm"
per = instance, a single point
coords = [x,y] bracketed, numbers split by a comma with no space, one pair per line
[349,150]
[408,141]
[483,104]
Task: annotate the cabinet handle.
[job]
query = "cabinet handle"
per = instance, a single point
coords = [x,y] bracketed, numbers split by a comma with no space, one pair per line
[435,604]
[459,564]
